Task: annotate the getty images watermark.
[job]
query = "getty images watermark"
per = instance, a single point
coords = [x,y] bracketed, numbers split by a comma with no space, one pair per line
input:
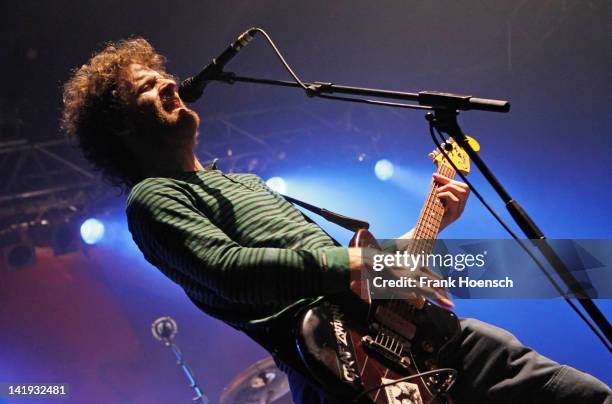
[400,262]
[484,268]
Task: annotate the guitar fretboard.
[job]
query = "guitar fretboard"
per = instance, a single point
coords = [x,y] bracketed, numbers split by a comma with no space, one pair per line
[428,224]
[425,233]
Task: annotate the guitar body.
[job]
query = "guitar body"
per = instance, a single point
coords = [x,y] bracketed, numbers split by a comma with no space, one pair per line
[385,351]
[353,346]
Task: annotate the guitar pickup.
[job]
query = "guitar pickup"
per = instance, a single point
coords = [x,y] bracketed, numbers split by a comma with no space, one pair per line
[388,346]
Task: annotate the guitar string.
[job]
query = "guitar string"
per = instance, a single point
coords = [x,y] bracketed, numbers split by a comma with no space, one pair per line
[420,231]
[428,210]
[431,214]
[394,304]
[425,232]
[400,306]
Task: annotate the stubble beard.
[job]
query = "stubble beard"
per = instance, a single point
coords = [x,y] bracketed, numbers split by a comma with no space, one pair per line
[176,127]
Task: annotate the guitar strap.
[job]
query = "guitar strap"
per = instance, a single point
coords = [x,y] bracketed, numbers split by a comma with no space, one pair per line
[345,222]
[274,332]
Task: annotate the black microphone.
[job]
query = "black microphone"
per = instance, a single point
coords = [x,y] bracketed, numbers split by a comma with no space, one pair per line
[191,88]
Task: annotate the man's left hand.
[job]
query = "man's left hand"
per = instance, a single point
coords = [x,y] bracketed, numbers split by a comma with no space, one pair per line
[453,195]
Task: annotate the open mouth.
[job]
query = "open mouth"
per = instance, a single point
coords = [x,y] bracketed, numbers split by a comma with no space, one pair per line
[170,103]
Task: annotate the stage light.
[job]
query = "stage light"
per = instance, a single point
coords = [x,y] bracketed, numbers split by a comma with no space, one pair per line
[92,231]
[277,184]
[383,169]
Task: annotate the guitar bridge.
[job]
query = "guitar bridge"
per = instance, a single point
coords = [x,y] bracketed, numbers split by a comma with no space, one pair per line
[389,346]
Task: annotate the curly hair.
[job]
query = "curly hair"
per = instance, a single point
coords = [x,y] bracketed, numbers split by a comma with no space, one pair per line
[95,110]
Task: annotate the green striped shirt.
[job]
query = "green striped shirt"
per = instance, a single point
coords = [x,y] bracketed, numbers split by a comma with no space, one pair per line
[236,247]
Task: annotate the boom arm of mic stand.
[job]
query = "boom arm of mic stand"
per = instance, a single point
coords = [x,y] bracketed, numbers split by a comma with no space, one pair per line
[446,106]
[446,121]
[431,99]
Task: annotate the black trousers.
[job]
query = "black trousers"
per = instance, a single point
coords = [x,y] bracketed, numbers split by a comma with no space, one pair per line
[494,367]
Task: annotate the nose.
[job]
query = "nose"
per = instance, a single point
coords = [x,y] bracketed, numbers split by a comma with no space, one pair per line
[167,87]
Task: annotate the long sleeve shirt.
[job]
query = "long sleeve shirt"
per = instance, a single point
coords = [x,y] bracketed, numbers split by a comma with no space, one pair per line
[236,247]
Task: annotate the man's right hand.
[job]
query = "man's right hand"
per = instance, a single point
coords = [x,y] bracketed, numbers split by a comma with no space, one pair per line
[362,259]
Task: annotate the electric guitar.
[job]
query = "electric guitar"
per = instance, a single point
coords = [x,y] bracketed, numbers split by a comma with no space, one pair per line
[385,351]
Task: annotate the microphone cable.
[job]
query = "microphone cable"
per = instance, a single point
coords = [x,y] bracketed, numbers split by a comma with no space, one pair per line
[514,235]
[311,91]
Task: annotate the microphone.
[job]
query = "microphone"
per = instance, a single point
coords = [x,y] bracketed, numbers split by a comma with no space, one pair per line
[191,88]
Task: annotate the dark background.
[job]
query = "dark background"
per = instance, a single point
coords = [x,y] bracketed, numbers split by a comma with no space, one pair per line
[84,320]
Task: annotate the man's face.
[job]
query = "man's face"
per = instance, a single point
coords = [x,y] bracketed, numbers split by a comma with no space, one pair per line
[159,111]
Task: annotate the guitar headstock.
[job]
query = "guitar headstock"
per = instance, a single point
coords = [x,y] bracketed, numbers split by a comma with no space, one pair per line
[455,153]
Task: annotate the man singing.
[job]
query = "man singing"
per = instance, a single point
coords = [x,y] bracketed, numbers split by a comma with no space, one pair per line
[241,251]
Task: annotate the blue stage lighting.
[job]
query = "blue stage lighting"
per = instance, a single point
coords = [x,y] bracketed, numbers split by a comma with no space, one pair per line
[92,231]
[383,169]
[277,184]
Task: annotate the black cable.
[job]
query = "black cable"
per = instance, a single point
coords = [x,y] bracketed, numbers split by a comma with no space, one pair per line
[515,237]
[310,91]
[282,59]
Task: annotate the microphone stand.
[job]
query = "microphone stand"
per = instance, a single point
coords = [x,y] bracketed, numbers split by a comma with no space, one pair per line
[445,108]
[426,99]
[164,329]
[446,121]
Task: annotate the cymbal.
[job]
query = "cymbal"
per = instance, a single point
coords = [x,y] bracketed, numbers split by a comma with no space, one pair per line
[260,383]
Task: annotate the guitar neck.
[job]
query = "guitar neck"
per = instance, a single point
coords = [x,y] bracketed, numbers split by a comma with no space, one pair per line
[428,224]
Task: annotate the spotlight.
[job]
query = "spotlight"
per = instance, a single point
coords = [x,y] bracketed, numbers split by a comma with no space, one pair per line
[383,169]
[277,184]
[92,231]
